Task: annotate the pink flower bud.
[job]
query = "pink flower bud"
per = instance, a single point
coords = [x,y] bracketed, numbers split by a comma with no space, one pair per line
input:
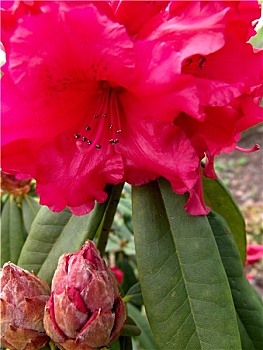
[85,310]
[22,301]
[118,274]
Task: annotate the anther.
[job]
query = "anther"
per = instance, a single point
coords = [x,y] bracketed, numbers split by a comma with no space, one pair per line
[118,131]
[98,146]
[104,115]
[116,141]
[89,142]
[111,126]
[77,136]
[111,141]
[84,139]
[87,128]
[96,116]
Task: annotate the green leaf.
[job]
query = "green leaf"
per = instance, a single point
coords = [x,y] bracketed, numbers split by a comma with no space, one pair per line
[30,208]
[134,295]
[12,231]
[219,199]
[248,304]
[130,330]
[129,278]
[53,234]
[184,285]
[257,40]
[244,337]
[145,338]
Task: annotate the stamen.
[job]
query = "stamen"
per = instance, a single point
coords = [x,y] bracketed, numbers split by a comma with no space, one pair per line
[115,110]
[105,123]
[248,150]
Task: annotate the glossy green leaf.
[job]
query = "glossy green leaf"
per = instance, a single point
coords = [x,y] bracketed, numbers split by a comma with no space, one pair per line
[145,338]
[53,234]
[12,231]
[134,295]
[248,303]
[219,199]
[184,285]
[30,208]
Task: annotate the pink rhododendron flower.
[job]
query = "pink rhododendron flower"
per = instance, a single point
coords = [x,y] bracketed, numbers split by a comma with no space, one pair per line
[226,72]
[254,253]
[116,97]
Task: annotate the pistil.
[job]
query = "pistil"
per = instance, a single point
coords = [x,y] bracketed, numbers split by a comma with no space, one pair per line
[255,148]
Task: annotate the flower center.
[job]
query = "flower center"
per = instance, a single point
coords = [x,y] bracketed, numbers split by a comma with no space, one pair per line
[104,124]
[193,64]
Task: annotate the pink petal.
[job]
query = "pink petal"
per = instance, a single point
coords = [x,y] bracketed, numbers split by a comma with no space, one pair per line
[59,91]
[220,86]
[195,204]
[254,253]
[157,149]
[67,177]
[217,131]
[126,13]
[65,310]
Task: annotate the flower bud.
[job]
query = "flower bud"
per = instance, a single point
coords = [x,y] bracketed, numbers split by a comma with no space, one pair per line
[10,184]
[118,274]
[22,301]
[85,310]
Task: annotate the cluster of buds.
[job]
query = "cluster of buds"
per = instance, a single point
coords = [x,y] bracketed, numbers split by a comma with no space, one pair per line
[84,310]
[22,300]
